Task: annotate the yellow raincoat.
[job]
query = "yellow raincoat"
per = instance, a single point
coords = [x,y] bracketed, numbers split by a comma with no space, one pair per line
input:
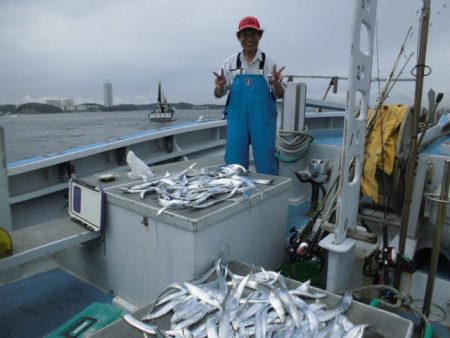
[382,139]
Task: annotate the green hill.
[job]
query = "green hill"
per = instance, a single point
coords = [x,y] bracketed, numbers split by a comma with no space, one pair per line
[37,108]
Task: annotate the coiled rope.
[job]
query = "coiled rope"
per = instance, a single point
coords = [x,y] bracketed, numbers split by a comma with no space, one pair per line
[292,145]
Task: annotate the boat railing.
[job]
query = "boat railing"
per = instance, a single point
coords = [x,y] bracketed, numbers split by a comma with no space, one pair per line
[35,189]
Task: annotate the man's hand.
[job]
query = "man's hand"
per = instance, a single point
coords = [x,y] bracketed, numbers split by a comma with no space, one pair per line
[275,81]
[276,75]
[221,81]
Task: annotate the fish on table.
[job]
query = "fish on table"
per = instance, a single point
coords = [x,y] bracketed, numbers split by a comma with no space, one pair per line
[197,189]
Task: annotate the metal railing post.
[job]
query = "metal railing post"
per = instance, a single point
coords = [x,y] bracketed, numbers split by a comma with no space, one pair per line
[5,208]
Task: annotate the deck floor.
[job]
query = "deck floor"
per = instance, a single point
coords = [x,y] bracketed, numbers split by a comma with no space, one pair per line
[44,302]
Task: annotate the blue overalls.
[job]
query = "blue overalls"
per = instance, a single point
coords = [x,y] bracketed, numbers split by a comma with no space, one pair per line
[251,114]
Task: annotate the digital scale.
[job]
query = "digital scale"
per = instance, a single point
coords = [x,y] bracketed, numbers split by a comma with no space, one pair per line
[86,204]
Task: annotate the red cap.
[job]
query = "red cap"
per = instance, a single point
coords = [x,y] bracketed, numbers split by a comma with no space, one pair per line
[249,22]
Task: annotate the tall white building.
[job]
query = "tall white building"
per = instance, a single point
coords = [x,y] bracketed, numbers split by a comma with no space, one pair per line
[107,94]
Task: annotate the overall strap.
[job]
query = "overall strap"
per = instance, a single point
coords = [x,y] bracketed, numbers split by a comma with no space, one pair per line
[261,62]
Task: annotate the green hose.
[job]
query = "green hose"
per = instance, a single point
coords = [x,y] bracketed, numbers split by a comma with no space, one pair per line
[428,332]
[374,302]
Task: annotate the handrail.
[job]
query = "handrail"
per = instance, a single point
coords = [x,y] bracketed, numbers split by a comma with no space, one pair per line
[38,162]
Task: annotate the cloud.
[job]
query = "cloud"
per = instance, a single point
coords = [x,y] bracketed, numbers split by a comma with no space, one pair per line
[26,99]
[69,48]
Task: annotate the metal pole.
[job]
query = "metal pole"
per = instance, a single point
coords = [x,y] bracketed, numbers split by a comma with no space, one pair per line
[420,67]
[442,209]
[5,209]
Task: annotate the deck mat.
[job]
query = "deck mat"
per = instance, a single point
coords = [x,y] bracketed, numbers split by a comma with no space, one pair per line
[91,319]
[35,306]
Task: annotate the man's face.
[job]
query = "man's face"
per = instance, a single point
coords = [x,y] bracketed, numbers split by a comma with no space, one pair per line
[249,39]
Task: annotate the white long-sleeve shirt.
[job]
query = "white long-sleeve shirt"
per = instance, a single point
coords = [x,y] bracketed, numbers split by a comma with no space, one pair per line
[230,71]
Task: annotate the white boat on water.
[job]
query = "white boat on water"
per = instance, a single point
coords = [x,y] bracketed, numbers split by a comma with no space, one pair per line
[163,112]
[130,247]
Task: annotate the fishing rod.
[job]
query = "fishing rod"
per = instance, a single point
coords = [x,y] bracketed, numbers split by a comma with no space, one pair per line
[389,84]
[382,97]
[386,89]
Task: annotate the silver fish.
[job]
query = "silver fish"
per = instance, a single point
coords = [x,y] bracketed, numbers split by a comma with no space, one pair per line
[342,306]
[220,303]
[165,309]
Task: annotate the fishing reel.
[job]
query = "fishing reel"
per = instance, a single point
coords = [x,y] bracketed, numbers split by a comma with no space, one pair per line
[377,265]
[297,247]
[301,249]
[317,174]
[378,260]
[317,171]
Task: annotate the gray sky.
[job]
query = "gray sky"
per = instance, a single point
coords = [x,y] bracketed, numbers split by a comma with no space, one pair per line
[66,49]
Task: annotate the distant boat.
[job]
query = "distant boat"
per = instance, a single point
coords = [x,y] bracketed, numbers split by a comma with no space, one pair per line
[163,112]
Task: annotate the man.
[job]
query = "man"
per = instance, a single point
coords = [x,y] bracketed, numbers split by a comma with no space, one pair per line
[253,83]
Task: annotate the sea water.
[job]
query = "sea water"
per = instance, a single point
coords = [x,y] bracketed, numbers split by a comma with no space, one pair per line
[29,135]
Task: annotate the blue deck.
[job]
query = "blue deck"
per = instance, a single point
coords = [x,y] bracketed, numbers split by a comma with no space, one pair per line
[328,137]
[298,216]
[35,306]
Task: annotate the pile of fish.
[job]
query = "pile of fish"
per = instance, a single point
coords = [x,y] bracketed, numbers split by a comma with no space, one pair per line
[196,188]
[257,305]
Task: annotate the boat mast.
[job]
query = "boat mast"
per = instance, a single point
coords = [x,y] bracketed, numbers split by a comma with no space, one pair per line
[420,68]
[159,93]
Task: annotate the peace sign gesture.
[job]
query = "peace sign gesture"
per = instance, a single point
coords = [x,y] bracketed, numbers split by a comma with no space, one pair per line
[221,81]
[220,78]
[276,75]
[275,81]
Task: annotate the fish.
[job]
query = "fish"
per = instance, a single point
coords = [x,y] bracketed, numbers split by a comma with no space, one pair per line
[303,290]
[306,309]
[261,321]
[262,181]
[136,323]
[211,330]
[337,330]
[342,306]
[192,319]
[200,294]
[170,297]
[139,187]
[219,303]
[237,168]
[165,309]
[196,189]
[149,191]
